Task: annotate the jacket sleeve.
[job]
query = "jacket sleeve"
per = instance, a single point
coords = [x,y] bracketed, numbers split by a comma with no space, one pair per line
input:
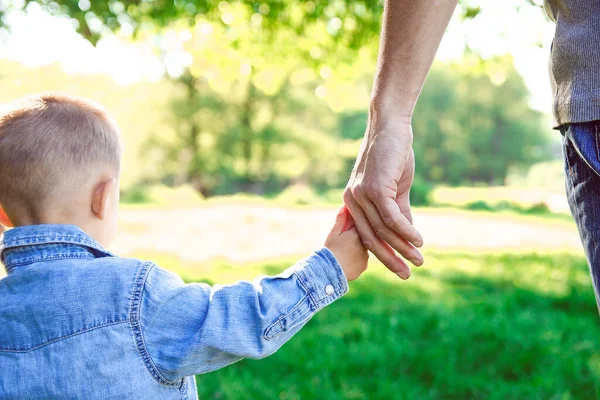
[194,328]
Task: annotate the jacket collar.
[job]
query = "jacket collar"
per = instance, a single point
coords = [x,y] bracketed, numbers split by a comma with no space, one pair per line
[37,243]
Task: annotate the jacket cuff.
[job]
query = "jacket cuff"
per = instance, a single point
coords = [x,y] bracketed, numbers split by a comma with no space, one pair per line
[322,278]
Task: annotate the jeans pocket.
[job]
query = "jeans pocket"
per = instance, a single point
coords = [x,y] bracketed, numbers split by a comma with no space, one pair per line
[585,141]
[597,140]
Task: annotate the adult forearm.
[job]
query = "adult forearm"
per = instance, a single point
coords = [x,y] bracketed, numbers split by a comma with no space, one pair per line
[411,34]
[377,194]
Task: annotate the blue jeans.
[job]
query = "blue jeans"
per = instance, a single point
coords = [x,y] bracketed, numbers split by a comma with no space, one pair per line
[581,151]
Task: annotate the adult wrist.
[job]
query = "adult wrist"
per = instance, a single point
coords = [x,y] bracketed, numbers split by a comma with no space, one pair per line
[384,111]
[386,119]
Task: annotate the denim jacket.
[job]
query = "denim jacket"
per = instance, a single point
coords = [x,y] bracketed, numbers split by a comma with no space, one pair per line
[77,322]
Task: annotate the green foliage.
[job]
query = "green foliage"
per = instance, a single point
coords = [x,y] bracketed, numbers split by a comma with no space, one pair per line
[352,124]
[420,193]
[471,12]
[137,194]
[548,175]
[246,131]
[509,208]
[299,195]
[247,122]
[485,326]
[360,19]
[161,195]
[276,94]
[472,124]
[333,196]
[350,23]
[479,205]
[539,208]
[219,142]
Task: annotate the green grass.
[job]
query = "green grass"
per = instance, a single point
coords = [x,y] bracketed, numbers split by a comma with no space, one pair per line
[485,326]
[478,209]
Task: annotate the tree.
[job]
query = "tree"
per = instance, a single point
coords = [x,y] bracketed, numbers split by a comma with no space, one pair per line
[352,22]
[473,123]
[269,128]
[275,92]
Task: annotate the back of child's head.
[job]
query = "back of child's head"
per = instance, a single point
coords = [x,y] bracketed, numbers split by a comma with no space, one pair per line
[50,145]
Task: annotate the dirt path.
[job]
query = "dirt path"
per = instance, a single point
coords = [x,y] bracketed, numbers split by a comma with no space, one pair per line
[243,233]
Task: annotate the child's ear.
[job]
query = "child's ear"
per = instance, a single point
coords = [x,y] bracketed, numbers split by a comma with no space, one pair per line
[102,198]
[4,219]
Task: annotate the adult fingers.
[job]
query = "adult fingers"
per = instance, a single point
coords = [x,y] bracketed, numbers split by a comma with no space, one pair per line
[379,248]
[403,202]
[392,218]
[383,232]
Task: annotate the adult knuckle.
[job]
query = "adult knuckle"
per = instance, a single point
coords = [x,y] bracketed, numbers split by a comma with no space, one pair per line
[380,231]
[355,192]
[392,267]
[368,243]
[348,196]
[391,221]
[405,252]
[372,190]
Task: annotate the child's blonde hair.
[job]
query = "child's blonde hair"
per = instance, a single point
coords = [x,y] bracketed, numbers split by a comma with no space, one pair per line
[48,145]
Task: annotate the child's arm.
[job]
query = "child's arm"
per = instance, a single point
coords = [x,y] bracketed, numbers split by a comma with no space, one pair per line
[194,328]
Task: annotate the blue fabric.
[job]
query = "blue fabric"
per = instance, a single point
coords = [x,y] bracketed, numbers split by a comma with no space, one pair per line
[581,151]
[77,322]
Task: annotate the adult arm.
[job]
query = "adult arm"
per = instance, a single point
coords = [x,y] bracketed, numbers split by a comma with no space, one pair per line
[377,194]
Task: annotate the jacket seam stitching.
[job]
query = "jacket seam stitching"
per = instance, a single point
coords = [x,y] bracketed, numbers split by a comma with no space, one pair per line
[140,343]
[279,322]
[312,301]
[64,256]
[45,239]
[49,342]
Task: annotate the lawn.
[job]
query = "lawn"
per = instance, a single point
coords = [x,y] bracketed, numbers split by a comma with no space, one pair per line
[484,326]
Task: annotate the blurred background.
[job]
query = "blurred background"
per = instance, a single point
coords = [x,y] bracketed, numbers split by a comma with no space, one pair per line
[241,121]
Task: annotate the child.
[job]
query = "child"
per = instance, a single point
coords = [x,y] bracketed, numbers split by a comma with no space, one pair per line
[77,322]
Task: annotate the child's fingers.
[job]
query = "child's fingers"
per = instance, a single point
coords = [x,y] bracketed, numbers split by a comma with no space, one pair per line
[4,218]
[341,220]
[349,221]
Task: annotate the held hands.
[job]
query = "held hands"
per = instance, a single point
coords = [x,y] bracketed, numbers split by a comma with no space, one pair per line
[345,244]
[377,195]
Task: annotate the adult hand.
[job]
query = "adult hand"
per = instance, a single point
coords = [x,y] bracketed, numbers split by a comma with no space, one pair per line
[377,195]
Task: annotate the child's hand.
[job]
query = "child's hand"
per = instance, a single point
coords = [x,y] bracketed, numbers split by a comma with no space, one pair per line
[4,221]
[345,244]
